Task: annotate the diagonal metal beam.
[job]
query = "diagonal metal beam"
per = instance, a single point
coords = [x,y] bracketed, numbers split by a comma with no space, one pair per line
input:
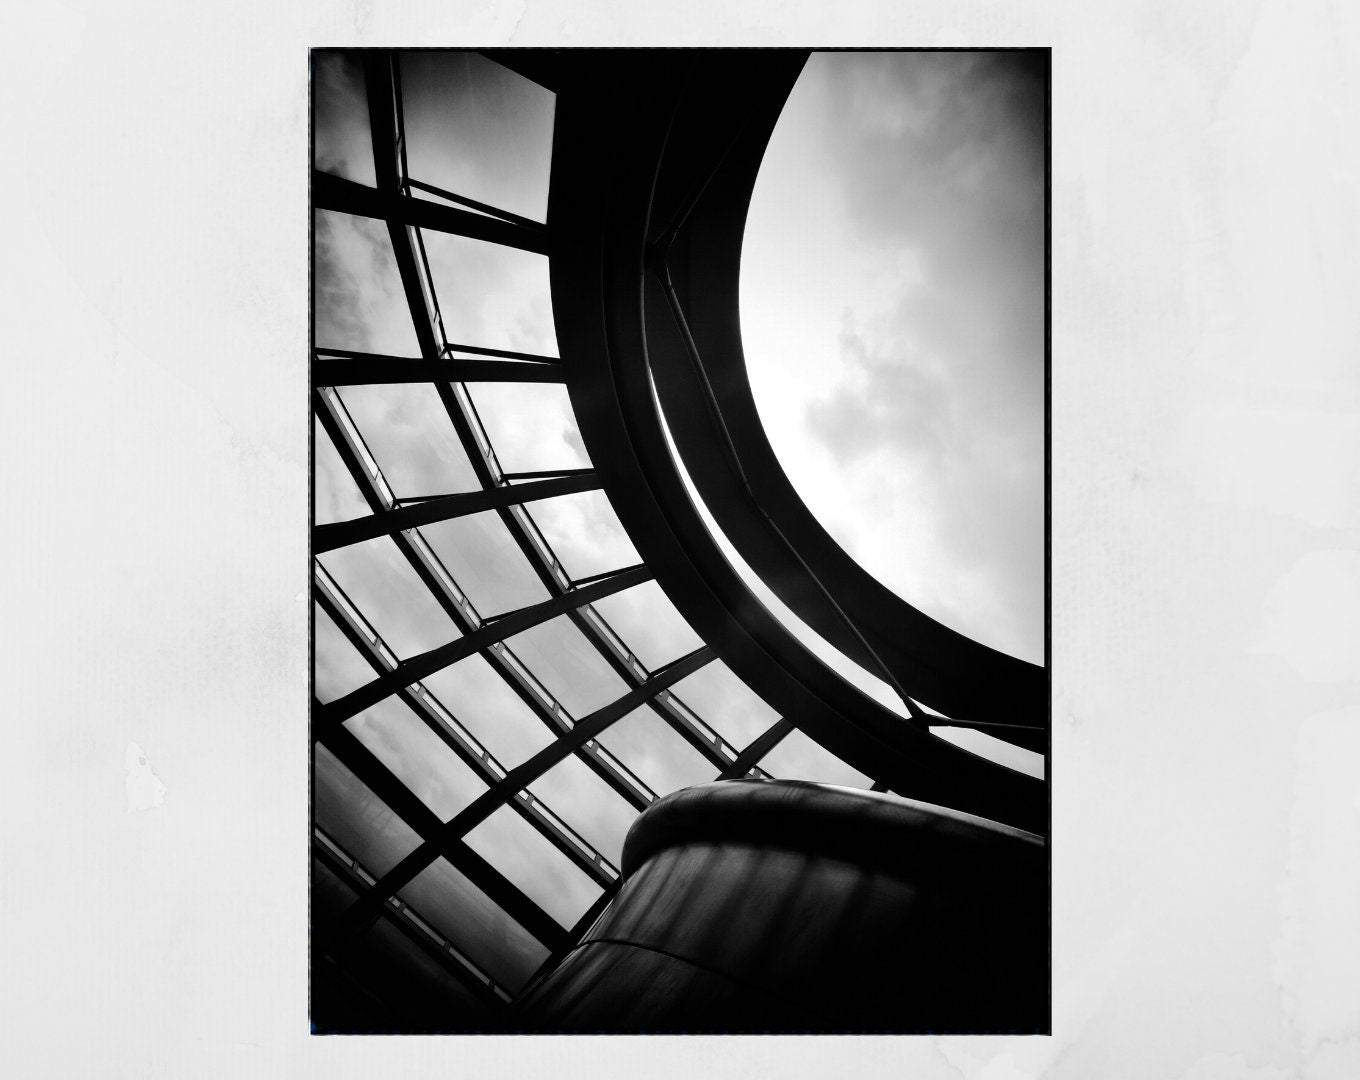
[339,534]
[335,193]
[396,369]
[425,664]
[761,745]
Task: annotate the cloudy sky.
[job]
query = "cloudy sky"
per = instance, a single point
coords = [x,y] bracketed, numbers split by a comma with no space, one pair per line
[894,333]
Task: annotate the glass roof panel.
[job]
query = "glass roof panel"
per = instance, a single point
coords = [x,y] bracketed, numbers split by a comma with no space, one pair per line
[336,497]
[359,302]
[341,142]
[483,558]
[585,533]
[383,585]
[568,665]
[589,805]
[483,702]
[529,859]
[477,129]
[339,667]
[731,707]
[475,924]
[491,296]
[649,624]
[656,752]
[386,958]
[398,738]
[359,821]
[531,425]
[797,757]
[408,430]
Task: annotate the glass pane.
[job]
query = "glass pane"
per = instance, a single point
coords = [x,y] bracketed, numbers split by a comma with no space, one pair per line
[797,757]
[385,588]
[660,755]
[359,302]
[465,915]
[485,561]
[478,129]
[340,667]
[587,804]
[568,665]
[585,533]
[398,738]
[726,703]
[358,820]
[531,425]
[340,117]
[491,296]
[336,496]
[993,749]
[411,437]
[483,702]
[649,624]
[529,859]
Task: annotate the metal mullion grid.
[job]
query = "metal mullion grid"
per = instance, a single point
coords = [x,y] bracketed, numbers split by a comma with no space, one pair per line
[519,521]
[481,453]
[469,749]
[406,919]
[454,735]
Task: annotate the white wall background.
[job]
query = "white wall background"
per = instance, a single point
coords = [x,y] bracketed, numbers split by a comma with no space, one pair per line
[1206,563]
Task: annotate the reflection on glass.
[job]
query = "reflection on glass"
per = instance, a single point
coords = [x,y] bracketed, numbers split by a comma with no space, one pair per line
[726,703]
[477,926]
[491,296]
[336,496]
[485,561]
[484,703]
[408,430]
[796,757]
[341,141]
[529,859]
[359,302]
[359,821]
[339,666]
[587,804]
[386,958]
[660,755]
[531,425]
[569,667]
[649,624]
[477,129]
[419,758]
[383,586]
[331,894]
[585,533]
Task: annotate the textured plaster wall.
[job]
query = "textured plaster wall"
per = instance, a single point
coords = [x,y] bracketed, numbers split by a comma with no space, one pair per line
[1205,519]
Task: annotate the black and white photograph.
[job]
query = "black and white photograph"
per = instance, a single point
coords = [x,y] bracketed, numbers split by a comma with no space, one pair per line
[679,544]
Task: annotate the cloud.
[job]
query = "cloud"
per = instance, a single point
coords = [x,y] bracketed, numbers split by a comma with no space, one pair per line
[936,414]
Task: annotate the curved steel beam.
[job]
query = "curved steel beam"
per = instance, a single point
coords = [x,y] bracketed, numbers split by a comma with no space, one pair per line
[605,202]
[736,472]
